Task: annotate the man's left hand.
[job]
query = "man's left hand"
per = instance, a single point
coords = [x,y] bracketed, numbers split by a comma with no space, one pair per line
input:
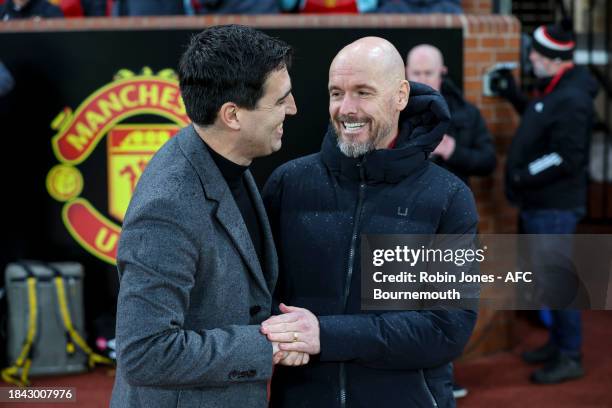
[297,329]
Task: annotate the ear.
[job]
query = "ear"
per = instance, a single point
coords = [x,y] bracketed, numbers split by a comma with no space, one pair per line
[403,94]
[444,70]
[228,115]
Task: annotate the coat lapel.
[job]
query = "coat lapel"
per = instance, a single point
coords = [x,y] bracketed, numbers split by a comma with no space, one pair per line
[270,257]
[227,212]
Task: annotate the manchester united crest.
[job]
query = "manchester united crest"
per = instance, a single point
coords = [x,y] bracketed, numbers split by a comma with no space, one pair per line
[129,147]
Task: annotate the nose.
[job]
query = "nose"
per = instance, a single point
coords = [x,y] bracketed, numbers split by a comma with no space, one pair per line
[291,106]
[348,105]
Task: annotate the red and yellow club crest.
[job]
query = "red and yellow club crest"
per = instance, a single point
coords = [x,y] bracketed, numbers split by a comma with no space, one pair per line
[129,149]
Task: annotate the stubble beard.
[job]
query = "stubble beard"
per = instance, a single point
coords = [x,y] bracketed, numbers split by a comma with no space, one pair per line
[355,149]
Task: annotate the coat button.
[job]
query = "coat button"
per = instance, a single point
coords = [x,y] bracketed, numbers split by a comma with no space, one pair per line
[254,310]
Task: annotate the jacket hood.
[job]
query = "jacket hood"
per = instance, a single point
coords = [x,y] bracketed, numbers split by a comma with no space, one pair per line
[421,127]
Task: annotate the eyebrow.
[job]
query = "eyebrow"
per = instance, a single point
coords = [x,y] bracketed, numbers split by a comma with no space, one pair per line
[358,86]
[365,86]
[284,96]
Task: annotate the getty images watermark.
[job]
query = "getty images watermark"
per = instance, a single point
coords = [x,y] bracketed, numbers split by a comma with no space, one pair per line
[512,272]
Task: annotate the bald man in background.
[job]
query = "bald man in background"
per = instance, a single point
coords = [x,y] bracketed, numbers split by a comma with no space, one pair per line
[372,175]
[466,149]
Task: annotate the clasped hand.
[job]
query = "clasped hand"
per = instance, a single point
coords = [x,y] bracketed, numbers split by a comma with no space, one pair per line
[294,335]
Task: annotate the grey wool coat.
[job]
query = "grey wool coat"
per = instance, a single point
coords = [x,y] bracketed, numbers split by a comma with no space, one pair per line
[192,292]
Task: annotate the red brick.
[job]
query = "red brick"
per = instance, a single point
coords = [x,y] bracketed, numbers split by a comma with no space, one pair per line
[478,56]
[495,42]
[470,43]
[470,70]
[507,56]
[513,42]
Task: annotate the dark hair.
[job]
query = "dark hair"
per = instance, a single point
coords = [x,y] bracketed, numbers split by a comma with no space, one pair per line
[228,64]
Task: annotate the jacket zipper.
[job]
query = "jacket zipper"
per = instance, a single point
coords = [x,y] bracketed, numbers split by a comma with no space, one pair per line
[349,273]
[431,397]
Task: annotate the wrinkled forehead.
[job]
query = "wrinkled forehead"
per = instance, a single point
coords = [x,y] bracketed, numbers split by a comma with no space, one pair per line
[348,73]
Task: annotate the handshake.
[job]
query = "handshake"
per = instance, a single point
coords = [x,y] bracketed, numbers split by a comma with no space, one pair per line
[294,335]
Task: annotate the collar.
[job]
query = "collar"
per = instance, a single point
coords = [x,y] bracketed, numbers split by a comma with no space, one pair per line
[230,171]
[390,165]
[555,79]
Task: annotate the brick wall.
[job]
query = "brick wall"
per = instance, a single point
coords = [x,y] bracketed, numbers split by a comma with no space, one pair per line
[487,40]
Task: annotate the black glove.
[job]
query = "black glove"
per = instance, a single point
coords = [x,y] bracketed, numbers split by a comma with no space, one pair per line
[503,84]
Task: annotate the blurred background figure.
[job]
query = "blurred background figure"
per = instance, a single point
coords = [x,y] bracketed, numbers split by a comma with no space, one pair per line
[467,148]
[95,8]
[546,177]
[323,6]
[17,9]
[7,83]
[420,6]
[237,6]
[148,8]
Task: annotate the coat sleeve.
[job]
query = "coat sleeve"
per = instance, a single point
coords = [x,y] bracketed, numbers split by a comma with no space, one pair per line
[478,157]
[157,260]
[411,339]
[567,150]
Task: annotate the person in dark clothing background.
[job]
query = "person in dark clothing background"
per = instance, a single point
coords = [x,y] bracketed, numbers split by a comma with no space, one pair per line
[372,176]
[546,177]
[18,9]
[148,8]
[466,149]
[238,7]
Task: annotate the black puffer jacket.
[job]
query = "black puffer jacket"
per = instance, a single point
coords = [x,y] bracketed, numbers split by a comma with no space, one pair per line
[474,153]
[547,163]
[319,206]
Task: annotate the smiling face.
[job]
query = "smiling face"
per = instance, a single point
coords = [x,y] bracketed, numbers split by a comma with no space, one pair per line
[366,96]
[262,127]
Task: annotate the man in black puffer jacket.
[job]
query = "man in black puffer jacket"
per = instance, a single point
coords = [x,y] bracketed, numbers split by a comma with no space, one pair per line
[371,177]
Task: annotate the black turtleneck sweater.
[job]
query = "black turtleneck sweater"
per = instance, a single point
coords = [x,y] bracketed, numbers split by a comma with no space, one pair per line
[234,176]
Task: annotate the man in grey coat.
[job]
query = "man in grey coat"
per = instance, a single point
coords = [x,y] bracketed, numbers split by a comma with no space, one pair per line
[196,258]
